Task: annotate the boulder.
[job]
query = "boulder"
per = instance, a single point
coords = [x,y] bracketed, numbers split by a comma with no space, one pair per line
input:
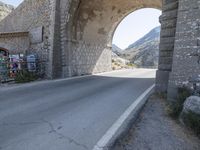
[192,104]
[190,115]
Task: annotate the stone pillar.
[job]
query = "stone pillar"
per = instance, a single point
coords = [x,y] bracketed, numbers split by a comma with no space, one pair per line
[57,52]
[68,12]
[168,21]
[187,45]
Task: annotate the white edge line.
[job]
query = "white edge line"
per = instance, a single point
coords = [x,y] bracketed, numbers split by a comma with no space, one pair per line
[104,141]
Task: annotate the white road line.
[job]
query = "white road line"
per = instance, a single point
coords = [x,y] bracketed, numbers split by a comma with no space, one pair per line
[110,134]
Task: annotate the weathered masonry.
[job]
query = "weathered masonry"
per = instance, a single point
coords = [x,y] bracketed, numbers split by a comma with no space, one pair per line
[75,36]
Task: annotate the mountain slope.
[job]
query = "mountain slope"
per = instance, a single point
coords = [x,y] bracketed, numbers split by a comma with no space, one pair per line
[116,49]
[117,61]
[145,51]
[5,9]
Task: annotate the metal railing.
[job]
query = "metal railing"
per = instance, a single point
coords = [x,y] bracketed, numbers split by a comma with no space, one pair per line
[9,70]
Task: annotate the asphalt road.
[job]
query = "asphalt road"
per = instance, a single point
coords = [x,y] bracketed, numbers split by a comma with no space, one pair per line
[67,114]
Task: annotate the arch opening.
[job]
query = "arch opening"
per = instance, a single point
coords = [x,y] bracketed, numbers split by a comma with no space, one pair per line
[90,30]
[135,41]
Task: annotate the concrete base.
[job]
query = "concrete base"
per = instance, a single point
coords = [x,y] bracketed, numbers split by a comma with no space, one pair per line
[162,78]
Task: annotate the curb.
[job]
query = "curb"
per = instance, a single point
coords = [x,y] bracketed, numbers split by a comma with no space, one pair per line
[121,126]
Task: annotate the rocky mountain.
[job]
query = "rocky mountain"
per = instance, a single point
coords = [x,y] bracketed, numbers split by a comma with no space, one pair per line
[145,51]
[117,61]
[116,49]
[5,9]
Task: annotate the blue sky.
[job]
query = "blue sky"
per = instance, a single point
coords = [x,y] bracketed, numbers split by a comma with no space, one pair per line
[12,2]
[135,26]
[132,28]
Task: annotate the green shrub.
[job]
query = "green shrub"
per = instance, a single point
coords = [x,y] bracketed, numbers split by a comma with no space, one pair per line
[131,65]
[175,108]
[192,121]
[24,76]
[162,95]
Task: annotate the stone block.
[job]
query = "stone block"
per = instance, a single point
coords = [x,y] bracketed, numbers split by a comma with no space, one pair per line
[162,78]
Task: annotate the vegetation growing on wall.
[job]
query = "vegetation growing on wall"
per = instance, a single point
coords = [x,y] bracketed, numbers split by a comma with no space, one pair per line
[24,76]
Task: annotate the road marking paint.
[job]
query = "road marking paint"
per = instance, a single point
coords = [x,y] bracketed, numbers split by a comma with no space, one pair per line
[112,131]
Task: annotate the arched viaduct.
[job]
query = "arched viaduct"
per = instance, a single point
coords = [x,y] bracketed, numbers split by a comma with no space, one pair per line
[75,36]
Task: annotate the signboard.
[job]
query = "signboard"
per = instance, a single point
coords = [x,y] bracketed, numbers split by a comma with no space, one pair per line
[14,58]
[36,35]
[32,63]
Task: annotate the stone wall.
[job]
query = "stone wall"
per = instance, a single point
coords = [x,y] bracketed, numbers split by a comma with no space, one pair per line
[187,44]
[89,58]
[15,43]
[30,15]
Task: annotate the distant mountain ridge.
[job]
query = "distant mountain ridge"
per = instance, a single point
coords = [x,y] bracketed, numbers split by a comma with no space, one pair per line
[117,61]
[153,34]
[5,9]
[145,51]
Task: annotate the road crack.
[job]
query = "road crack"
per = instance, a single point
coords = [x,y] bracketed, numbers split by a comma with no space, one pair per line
[61,136]
[52,130]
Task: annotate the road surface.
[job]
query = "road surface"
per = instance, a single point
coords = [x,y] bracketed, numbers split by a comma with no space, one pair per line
[67,114]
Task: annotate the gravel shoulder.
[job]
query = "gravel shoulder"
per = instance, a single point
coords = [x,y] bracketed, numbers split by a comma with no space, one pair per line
[155,130]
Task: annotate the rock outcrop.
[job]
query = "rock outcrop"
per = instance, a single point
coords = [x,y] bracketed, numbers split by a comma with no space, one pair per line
[5,9]
[117,61]
[116,50]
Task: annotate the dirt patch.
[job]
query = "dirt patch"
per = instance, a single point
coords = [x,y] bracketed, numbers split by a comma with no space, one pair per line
[155,130]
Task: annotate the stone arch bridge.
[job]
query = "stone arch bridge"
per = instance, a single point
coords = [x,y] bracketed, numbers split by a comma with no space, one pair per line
[75,36]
